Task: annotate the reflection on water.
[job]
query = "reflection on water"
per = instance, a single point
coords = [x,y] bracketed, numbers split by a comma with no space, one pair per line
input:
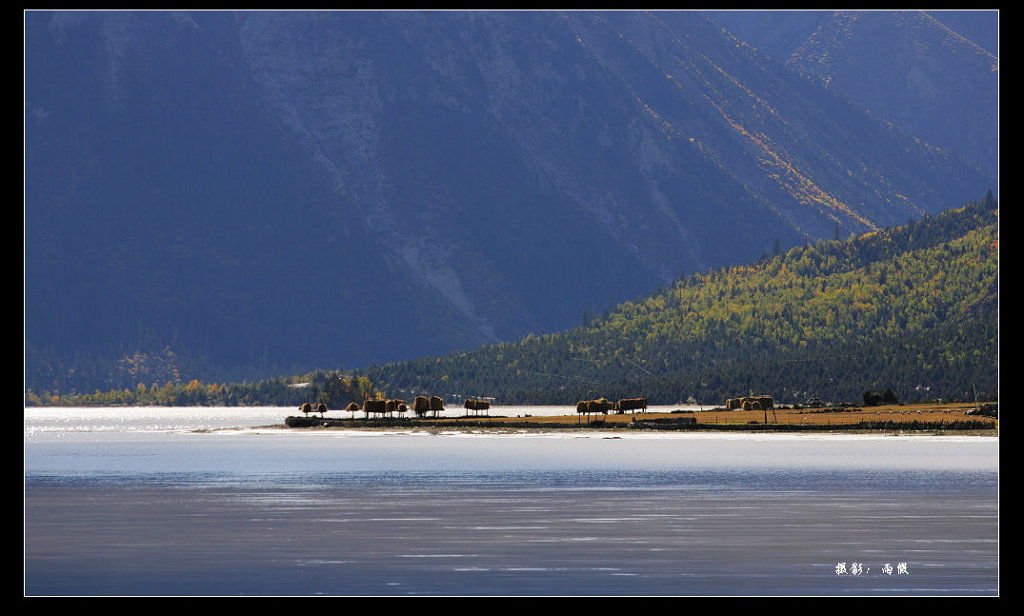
[512,534]
[274,512]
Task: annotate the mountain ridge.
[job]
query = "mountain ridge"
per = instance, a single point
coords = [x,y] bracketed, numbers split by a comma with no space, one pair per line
[896,65]
[260,191]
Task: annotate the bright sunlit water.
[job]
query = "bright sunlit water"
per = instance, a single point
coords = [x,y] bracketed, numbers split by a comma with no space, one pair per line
[224,501]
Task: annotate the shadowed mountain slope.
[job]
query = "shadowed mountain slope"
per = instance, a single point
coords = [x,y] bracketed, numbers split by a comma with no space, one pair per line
[268,191]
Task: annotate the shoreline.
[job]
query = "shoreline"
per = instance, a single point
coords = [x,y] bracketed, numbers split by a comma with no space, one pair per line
[932,419]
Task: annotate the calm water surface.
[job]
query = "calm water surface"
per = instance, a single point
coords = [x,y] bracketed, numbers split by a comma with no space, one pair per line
[137,502]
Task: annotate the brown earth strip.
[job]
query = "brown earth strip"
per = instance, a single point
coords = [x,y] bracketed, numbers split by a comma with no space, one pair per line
[883,417]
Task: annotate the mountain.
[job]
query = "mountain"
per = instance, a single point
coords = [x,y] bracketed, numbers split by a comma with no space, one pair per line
[257,192]
[932,73]
[912,308]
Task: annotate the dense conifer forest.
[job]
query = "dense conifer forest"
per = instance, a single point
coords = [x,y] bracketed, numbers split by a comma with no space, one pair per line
[913,309]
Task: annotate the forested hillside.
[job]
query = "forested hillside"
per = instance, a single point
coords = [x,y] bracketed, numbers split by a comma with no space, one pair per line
[913,308]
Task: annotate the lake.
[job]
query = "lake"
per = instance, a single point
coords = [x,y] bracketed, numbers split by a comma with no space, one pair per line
[216,502]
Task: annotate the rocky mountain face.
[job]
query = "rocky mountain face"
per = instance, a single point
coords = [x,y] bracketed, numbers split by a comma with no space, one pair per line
[932,73]
[267,190]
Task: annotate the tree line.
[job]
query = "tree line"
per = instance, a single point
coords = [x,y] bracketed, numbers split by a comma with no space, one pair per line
[333,388]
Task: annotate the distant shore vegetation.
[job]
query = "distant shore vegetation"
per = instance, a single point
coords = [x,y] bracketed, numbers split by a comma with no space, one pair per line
[330,387]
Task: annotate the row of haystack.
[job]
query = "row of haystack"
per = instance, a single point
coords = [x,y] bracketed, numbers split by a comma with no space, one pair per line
[385,407]
[603,405]
[423,405]
[750,403]
[307,408]
[476,404]
[632,404]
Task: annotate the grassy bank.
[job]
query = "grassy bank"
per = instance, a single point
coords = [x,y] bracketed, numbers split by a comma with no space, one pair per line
[952,417]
